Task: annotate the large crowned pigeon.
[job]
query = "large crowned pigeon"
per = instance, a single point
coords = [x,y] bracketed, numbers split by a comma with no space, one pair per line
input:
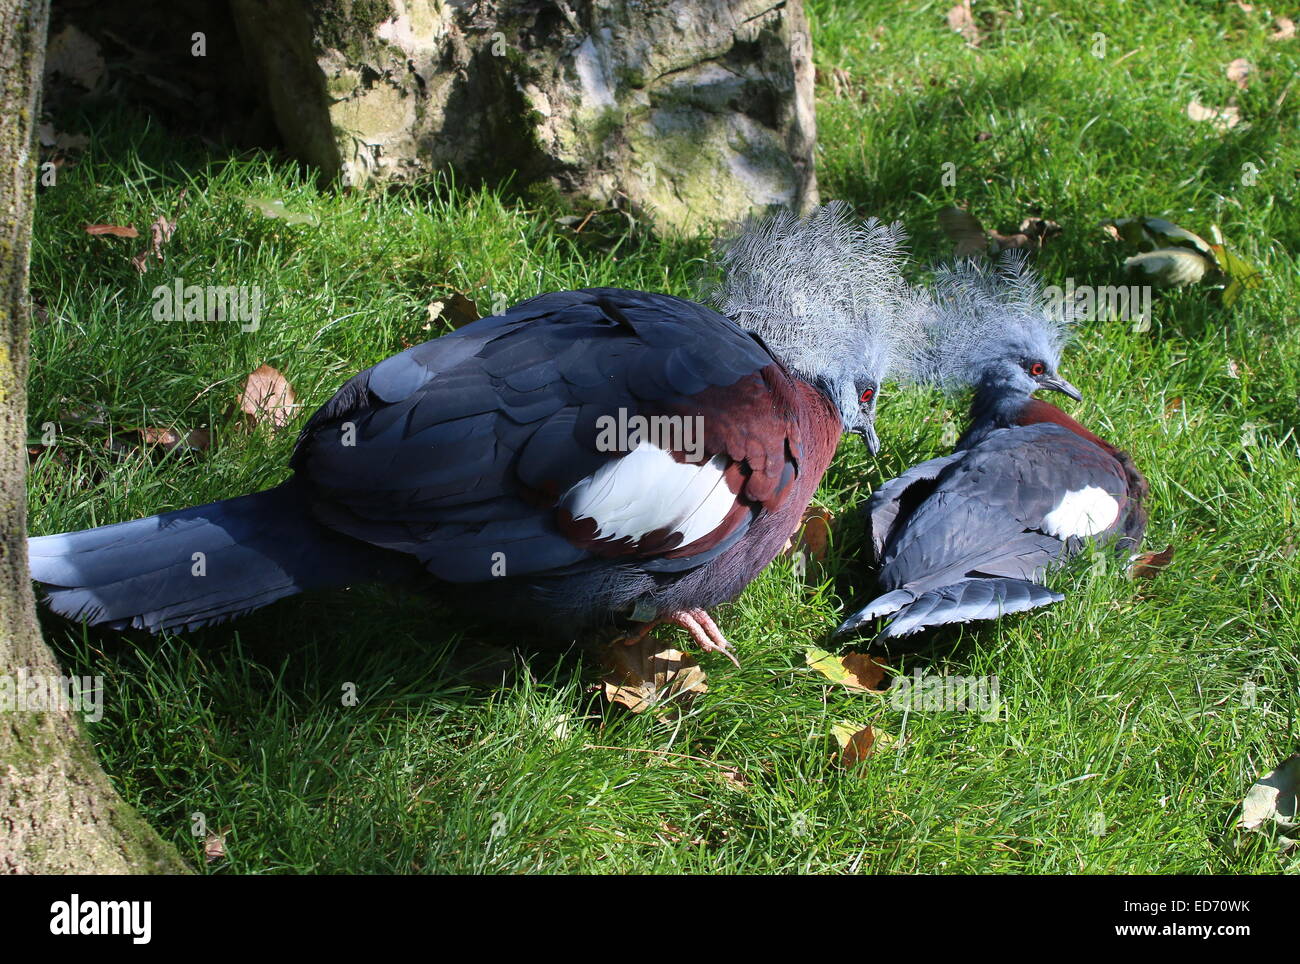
[971,535]
[587,457]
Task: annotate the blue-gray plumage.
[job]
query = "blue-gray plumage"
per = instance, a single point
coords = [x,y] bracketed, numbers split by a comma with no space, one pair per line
[971,535]
[478,458]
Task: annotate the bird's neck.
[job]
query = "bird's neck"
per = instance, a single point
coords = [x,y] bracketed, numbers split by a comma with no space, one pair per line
[993,409]
[994,406]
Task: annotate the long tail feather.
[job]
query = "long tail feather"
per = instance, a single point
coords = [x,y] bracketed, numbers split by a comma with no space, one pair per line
[203,565]
[889,603]
[968,601]
[961,602]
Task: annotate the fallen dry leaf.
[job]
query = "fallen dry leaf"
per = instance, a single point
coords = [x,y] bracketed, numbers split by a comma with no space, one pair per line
[267,397]
[1273,802]
[1240,71]
[813,536]
[1148,564]
[197,440]
[1171,267]
[214,846]
[116,230]
[1040,229]
[1285,29]
[871,672]
[1013,242]
[734,779]
[1221,118]
[856,671]
[962,21]
[650,674]
[856,744]
[160,232]
[460,310]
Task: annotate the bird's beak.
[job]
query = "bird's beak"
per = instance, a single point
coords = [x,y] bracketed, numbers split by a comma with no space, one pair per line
[868,433]
[1058,384]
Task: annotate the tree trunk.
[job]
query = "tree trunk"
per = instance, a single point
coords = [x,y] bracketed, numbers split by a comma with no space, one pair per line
[58,811]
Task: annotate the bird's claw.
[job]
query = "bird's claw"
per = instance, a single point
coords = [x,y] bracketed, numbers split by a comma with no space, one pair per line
[698,623]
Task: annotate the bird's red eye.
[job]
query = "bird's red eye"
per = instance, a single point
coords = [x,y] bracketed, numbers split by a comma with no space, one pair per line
[867,395]
[1037,368]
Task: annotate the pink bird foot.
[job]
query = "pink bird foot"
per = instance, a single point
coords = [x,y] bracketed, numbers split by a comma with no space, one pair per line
[698,623]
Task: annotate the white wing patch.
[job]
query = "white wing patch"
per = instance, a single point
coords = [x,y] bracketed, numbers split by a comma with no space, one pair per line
[648,489]
[1082,513]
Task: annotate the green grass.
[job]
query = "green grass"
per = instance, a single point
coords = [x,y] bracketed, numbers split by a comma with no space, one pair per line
[1127,707]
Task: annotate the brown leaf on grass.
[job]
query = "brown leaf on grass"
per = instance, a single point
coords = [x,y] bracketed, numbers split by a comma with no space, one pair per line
[733,779]
[1148,564]
[214,846]
[1240,71]
[856,671]
[116,230]
[1040,229]
[160,232]
[964,229]
[871,672]
[962,21]
[1244,7]
[196,440]
[1173,406]
[1222,119]
[855,744]
[813,536]
[649,674]
[1285,29]
[460,310]
[1013,242]
[267,397]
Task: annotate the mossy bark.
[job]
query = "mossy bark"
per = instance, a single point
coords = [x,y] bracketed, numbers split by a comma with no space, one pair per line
[692,112]
[58,811]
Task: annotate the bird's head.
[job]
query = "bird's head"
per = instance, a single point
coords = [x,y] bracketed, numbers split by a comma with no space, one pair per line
[855,388]
[1022,368]
[823,292]
[990,329]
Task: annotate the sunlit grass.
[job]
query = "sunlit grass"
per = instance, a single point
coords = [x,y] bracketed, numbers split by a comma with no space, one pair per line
[1136,714]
